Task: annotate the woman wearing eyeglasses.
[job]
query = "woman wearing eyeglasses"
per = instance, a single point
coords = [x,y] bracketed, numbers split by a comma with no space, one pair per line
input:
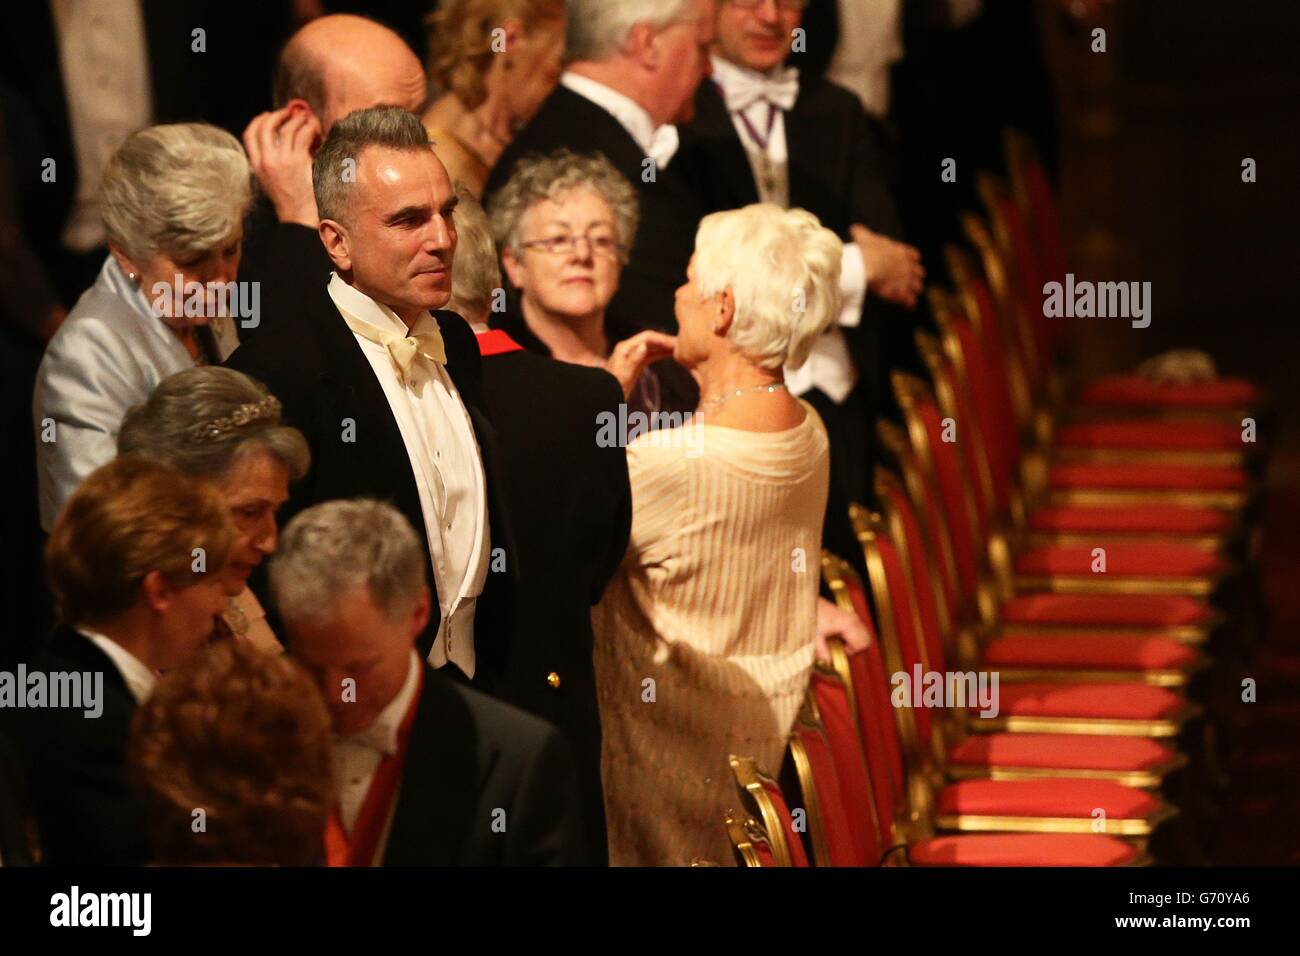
[564,223]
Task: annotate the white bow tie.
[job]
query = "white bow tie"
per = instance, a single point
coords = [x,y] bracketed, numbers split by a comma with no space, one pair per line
[663,145]
[743,89]
[410,354]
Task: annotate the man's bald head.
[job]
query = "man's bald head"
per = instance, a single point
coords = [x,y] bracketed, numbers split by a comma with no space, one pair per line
[341,63]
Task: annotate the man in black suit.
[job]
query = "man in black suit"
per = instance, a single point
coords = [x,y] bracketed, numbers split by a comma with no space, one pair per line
[429,772]
[85,811]
[764,133]
[385,386]
[571,513]
[632,72]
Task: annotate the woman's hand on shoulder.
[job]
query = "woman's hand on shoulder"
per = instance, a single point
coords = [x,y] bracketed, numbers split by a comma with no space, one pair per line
[631,356]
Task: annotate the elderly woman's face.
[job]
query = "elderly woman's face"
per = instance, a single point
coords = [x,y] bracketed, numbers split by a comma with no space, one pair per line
[184,292]
[696,316]
[573,282]
[254,488]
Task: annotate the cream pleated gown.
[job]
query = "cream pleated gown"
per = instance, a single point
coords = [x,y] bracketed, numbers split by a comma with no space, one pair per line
[705,637]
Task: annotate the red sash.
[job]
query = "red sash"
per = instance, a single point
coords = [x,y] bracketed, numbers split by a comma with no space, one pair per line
[496,342]
[359,848]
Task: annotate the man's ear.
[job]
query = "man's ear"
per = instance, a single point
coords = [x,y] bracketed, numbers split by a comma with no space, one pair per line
[514,268]
[726,312]
[642,45]
[158,591]
[338,245]
[420,614]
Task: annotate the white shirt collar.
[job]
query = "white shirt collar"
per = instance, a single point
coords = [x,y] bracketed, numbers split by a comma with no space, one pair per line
[366,309]
[382,734]
[140,678]
[631,115]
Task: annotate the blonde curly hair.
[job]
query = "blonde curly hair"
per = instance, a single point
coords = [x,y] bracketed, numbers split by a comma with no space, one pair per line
[460,40]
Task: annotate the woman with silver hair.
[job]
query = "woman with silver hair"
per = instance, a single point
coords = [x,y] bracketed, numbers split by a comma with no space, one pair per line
[564,224]
[219,424]
[173,201]
[713,610]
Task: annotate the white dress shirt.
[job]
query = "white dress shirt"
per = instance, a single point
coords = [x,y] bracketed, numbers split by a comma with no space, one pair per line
[829,366]
[356,757]
[448,470]
[105,66]
[140,678]
[658,142]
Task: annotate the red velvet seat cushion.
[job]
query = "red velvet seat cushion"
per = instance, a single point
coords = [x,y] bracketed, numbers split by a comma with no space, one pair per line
[1141,476]
[1060,752]
[1022,849]
[1106,610]
[1045,798]
[1136,390]
[1158,435]
[1097,652]
[1131,519]
[1142,559]
[1119,701]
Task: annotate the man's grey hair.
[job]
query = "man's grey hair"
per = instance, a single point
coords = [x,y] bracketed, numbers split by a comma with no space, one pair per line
[174,425]
[597,29]
[334,167]
[331,549]
[552,176]
[180,188]
[477,274]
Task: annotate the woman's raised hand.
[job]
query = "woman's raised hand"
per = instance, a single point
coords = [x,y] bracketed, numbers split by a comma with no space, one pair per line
[630,357]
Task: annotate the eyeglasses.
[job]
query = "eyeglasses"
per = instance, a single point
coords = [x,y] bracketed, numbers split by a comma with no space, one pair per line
[566,245]
[788,5]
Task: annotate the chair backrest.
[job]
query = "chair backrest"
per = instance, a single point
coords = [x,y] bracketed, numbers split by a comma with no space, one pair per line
[1013,242]
[865,679]
[901,635]
[967,433]
[1033,194]
[926,500]
[827,754]
[945,469]
[1003,314]
[764,800]
[978,372]
[904,525]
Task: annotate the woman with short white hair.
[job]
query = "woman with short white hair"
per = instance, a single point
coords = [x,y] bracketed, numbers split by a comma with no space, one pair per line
[173,200]
[713,612]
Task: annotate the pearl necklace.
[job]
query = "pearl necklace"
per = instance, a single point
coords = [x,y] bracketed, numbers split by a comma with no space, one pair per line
[721,399]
